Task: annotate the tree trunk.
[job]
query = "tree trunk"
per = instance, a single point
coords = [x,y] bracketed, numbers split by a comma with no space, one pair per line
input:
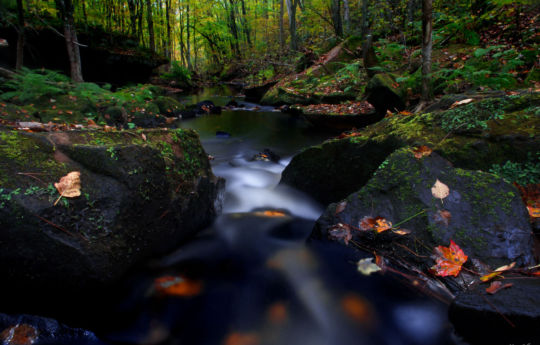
[281,28]
[346,16]
[234,29]
[291,11]
[245,24]
[168,19]
[85,17]
[132,17]
[20,36]
[427,9]
[150,22]
[335,8]
[188,41]
[65,8]
[365,16]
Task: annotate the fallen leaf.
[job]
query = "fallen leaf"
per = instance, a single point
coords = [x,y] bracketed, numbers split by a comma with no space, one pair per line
[20,334]
[382,225]
[422,151]
[143,136]
[448,260]
[270,213]
[277,313]
[401,231]
[440,190]
[458,103]
[534,211]
[237,338]
[496,286]
[489,276]
[505,267]
[442,217]
[69,186]
[341,207]
[177,286]
[359,309]
[367,266]
[340,232]
[367,223]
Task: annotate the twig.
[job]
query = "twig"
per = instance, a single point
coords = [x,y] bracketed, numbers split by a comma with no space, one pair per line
[498,312]
[410,250]
[32,176]
[55,225]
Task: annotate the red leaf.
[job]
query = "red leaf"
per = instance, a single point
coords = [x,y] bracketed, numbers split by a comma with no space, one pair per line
[496,286]
[449,260]
[177,286]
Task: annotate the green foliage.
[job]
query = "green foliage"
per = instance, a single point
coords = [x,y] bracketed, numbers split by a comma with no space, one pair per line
[31,85]
[473,116]
[520,173]
[178,73]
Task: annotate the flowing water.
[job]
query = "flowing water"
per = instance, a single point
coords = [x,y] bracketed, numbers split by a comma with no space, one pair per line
[254,280]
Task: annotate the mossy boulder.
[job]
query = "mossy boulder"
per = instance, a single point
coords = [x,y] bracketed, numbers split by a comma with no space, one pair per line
[385,94]
[168,106]
[490,131]
[483,214]
[142,193]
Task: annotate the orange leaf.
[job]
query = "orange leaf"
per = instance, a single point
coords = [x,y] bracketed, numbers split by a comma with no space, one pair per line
[488,277]
[422,151]
[271,213]
[177,286]
[449,260]
[496,286]
[382,225]
[401,231]
[534,211]
[237,338]
[367,223]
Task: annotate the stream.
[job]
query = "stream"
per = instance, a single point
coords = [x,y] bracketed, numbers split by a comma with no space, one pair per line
[260,282]
[254,279]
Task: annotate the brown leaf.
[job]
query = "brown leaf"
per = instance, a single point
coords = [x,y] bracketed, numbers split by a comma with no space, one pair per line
[442,217]
[340,231]
[496,286]
[367,223]
[458,103]
[69,186]
[440,190]
[20,334]
[422,151]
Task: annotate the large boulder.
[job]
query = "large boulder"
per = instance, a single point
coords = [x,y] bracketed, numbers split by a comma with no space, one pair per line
[489,131]
[142,193]
[483,214]
[385,93]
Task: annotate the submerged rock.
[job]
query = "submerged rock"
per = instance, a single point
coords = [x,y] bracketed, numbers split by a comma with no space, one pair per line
[141,194]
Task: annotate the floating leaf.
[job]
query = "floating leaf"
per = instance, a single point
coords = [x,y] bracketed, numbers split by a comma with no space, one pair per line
[422,151]
[341,207]
[277,313]
[496,286]
[340,231]
[177,286]
[358,309]
[382,224]
[449,260]
[440,190]
[69,186]
[20,334]
[237,338]
[270,213]
[442,217]
[367,266]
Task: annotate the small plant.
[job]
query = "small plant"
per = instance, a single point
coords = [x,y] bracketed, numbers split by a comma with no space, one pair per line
[31,85]
[520,173]
[473,116]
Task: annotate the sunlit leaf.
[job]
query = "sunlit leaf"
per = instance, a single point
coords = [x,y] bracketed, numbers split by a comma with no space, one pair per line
[69,186]
[440,190]
[271,213]
[489,276]
[422,151]
[534,211]
[458,103]
[177,286]
[496,286]
[382,225]
[367,266]
[448,260]
[401,232]
[505,267]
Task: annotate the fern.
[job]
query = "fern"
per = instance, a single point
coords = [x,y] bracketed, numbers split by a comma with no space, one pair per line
[30,85]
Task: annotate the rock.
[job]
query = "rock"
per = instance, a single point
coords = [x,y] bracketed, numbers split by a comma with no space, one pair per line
[266,156]
[168,106]
[255,93]
[207,107]
[232,104]
[487,218]
[142,194]
[29,329]
[223,134]
[331,171]
[479,317]
[385,94]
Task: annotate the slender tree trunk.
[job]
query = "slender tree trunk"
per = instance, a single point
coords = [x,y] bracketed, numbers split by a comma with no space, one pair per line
[65,8]
[245,24]
[291,11]
[20,36]
[346,16]
[182,52]
[233,27]
[150,22]
[85,17]
[365,16]
[168,19]
[335,7]
[427,9]
[132,17]
[188,40]
[281,28]
[140,7]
